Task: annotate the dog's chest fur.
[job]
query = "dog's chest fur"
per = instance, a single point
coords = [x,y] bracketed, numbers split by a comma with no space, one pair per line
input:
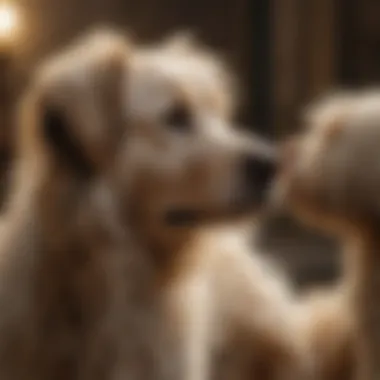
[79,313]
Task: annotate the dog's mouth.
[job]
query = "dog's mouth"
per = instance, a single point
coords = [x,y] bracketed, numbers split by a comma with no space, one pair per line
[251,195]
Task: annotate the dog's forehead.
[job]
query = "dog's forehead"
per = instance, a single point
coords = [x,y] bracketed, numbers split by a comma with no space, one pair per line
[158,79]
[150,90]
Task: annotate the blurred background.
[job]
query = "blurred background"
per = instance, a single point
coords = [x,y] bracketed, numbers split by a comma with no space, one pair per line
[285,52]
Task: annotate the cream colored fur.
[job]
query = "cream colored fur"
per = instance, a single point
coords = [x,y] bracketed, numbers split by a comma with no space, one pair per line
[94,283]
[330,178]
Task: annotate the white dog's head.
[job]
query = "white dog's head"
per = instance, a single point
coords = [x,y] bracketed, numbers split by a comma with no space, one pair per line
[153,122]
[331,173]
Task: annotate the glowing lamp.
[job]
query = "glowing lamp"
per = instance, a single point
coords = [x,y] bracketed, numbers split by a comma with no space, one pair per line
[9,22]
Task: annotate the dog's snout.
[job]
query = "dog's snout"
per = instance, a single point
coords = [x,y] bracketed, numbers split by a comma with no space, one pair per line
[258,171]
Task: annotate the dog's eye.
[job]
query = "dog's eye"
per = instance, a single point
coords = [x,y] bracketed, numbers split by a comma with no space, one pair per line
[179,118]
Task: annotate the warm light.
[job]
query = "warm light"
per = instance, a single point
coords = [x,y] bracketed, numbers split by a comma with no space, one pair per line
[8,22]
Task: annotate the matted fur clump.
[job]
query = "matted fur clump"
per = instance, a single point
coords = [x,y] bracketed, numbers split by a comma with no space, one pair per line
[330,178]
[112,261]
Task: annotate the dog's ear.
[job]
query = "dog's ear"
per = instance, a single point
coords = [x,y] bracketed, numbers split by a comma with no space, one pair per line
[82,95]
[63,145]
[181,42]
[106,54]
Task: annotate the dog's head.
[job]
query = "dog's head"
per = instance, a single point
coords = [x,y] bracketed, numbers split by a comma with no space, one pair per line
[330,173]
[184,162]
[155,123]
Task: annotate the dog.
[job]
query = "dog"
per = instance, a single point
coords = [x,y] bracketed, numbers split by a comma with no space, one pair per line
[123,247]
[329,179]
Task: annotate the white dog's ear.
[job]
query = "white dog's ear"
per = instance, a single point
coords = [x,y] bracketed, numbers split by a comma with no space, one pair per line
[182,42]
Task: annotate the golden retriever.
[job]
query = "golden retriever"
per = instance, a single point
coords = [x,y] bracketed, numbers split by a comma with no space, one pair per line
[122,254]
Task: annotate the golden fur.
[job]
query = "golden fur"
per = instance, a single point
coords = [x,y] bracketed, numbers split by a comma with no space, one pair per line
[95,283]
[330,179]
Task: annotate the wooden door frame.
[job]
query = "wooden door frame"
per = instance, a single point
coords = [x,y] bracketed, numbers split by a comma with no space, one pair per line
[305,56]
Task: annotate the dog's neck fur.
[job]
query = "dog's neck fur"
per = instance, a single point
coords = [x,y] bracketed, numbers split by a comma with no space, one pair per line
[161,244]
[70,289]
[363,277]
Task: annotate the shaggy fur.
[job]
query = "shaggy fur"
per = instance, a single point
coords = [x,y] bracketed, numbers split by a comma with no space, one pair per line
[330,178]
[113,265]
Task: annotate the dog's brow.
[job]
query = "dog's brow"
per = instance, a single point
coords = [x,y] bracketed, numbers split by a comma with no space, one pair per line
[149,97]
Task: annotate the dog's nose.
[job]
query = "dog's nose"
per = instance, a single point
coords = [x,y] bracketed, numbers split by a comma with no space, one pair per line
[258,172]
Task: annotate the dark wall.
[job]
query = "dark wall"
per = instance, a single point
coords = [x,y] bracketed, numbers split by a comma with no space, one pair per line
[360,49]
[285,53]
[223,24]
